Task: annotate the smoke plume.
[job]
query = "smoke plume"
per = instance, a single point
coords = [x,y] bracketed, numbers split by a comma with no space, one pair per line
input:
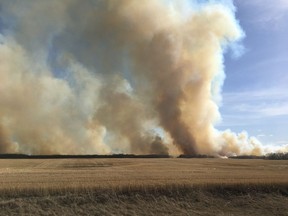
[115,76]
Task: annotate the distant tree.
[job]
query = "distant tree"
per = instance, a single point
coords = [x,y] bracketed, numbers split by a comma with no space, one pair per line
[195,156]
[277,156]
[247,157]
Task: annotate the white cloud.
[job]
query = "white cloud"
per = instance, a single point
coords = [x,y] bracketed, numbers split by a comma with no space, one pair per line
[266,10]
[264,109]
[264,63]
[261,135]
[237,119]
[257,104]
[275,109]
[272,94]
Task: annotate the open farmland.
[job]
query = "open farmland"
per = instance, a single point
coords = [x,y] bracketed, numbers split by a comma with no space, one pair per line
[103,173]
[177,185]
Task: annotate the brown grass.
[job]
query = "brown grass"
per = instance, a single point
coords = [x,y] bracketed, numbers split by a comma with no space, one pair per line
[143,186]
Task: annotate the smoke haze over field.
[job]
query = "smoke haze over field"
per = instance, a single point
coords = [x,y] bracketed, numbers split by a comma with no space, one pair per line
[116,76]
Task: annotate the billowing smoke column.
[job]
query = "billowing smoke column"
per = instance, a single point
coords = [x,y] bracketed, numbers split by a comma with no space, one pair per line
[115,76]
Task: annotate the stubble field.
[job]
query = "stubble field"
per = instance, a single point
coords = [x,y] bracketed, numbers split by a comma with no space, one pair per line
[143,186]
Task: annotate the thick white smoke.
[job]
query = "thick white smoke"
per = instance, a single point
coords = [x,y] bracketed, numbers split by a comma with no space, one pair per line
[115,76]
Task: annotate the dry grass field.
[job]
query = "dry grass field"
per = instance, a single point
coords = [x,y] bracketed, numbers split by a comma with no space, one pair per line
[143,187]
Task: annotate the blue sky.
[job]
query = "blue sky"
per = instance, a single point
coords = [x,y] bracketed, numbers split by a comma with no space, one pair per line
[255,93]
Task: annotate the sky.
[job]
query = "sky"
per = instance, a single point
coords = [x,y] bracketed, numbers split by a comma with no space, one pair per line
[255,92]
